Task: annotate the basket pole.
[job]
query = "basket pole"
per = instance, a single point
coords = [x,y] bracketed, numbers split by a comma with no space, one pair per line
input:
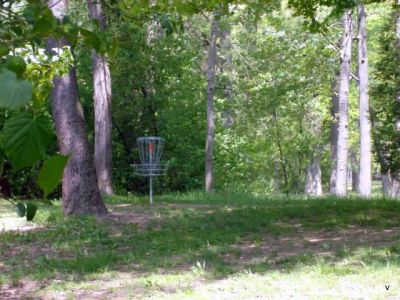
[151,190]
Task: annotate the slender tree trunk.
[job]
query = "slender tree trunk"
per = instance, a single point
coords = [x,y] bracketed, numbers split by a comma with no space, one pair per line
[80,193]
[398,54]
[276,182]
[281,156]
[390,185]
[211,62]
[102,108]
[313,178]
[344,85]
[334,133]
[355,172]
[226,69]
[365,180]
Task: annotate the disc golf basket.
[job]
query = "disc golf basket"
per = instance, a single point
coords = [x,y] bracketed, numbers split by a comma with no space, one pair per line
[150,151]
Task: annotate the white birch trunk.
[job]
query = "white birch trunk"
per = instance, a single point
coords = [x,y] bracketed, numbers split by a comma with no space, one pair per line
[365,177]
[344,86]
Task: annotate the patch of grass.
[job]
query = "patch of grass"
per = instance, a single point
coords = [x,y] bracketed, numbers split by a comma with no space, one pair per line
[187,242]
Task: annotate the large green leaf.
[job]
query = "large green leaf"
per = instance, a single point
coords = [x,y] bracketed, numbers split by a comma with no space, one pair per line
[15,93]
[51,173]
[25,138]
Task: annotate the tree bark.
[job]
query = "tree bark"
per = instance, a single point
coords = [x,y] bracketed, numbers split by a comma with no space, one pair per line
[102,108]
[313,178]
[334,133]
[344,85]
[390,185]
[355,173]
[211,62]
[80,193]
[398,54]
[365,177]
[226,68]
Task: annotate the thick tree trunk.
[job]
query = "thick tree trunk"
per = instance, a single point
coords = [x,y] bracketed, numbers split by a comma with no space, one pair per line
[334,133]
[211,62]
[364,186]
[80,193]
[344,85]
[102,108]
[313,178]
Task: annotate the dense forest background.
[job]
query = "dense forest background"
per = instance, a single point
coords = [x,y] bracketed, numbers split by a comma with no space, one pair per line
[274,84]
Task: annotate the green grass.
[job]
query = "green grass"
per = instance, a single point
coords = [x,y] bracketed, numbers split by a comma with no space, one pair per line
[230,240]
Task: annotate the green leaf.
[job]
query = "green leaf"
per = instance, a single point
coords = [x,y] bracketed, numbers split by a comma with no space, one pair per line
[92,39]
[21,209]
[4,50]
[16,64]
[15,93]
[25,138]
[51,173]
[30,211]
[45,23]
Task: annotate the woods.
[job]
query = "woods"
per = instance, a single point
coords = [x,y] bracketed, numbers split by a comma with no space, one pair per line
[279,101]
[269,132]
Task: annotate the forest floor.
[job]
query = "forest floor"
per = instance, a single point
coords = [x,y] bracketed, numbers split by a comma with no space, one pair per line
[198,247]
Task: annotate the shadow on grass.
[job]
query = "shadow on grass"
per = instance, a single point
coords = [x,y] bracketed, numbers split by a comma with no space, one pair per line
[279,234]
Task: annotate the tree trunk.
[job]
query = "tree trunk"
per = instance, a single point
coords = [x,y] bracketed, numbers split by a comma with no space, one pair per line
[276,181]
[334,133]
[80,193]
[344,85]
[365,179]
[280,150]
[398,54]
[355,173]
[313,178]
[211,62]
[390,185]
[102,108]
[226,69]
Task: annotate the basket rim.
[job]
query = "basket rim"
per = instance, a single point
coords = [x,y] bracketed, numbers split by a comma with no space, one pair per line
[150,138]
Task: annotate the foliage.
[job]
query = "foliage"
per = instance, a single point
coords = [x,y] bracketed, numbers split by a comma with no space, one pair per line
[281,75]
[26,74]
[51,173]
[15,92]
[25,138]
[385,104]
